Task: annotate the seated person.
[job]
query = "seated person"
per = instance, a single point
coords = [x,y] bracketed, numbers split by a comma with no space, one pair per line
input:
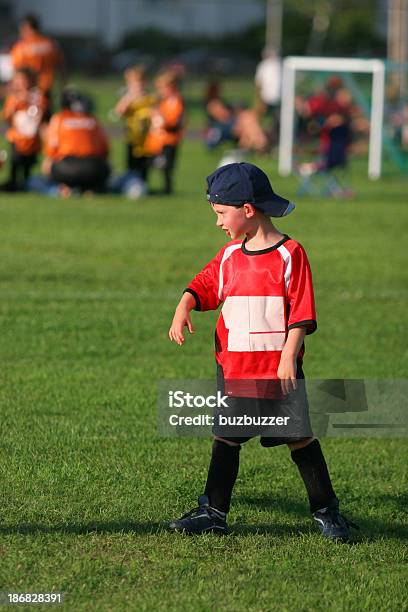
[76,147]
[24,109]
[236,124]
[221,121]
[249,132]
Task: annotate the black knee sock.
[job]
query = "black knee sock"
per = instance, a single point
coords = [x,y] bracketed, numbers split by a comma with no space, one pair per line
[222,474]
[313,470]
[168,181]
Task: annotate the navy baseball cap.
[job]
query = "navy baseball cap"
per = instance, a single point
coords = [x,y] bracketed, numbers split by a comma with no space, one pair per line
[241,183]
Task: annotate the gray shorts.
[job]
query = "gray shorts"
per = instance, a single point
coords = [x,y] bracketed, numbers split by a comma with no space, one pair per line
[276,421]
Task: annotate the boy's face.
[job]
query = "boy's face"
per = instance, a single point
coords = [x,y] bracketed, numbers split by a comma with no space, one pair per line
[134,81]
[25,30]
[164,88]
[20,82]
[235,222]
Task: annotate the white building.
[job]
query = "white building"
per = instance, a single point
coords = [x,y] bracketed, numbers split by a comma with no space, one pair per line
[110,20]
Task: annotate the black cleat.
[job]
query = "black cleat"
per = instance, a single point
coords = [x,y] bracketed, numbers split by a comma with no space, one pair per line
[332,524]
[202,519]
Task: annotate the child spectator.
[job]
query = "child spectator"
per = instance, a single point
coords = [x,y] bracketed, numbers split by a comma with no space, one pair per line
[24,109]
[233,123]
[76,148]
[251,136]
[36,51]
[221,120]
[236,124]
[135,107]
[167,126]
[327,109]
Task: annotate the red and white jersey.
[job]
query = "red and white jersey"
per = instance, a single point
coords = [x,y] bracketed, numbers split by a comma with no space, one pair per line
[263,294]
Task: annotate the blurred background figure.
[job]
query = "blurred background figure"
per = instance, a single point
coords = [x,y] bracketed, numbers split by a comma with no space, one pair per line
[167,125]
[396,117]
[251,136]
[328,114]
[135,107]
[39,52]
[76,149]
[232,123]
[24,109]
[221,54]
[316,110]
[220,117]
[268,77]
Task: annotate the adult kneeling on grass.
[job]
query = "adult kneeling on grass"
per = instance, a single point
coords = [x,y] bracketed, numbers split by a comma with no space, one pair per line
[76,149]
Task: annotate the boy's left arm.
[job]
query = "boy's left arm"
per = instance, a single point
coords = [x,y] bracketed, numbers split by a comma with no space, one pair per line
[301,319]
[9,108]
[287,365]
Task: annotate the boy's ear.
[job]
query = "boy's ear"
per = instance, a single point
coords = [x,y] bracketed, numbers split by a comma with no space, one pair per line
[250,210]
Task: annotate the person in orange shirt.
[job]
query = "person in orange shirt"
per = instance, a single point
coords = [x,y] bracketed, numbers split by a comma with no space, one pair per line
[76,148]
[24,109]
[36,51]
[166,126]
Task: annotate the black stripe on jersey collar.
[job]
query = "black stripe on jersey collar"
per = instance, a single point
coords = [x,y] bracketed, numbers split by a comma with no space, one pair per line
[262,251]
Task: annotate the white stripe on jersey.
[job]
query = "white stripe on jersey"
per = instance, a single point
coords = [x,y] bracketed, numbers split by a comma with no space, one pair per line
[228,251]
[288,264]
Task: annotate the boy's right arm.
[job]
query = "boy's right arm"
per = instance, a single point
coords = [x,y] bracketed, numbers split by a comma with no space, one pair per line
[182,319]
[201,294]
[122,106]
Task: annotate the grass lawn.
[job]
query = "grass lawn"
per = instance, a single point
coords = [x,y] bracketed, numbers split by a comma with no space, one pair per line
[87,291]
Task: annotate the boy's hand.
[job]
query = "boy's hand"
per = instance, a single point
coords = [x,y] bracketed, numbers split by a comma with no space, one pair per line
[287,366]
[287,374]
[46,166]
[181,320]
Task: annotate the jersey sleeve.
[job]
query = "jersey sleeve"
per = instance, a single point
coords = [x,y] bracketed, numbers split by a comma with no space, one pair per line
[57,55]
[100,141]
[53,137]
[43,103]
[9,108]
[173,112]
[17,56]
[205,286]
[302,311]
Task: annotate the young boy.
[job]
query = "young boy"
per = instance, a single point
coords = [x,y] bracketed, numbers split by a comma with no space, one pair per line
[166,129]
[136,107]
[24,109]
[265,287]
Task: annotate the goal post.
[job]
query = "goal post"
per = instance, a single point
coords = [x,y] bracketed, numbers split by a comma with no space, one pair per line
[327,64]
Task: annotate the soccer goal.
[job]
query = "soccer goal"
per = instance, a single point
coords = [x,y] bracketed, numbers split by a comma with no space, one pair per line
[320,64]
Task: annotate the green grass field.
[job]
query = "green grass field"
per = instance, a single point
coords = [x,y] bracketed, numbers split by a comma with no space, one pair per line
[88,288]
